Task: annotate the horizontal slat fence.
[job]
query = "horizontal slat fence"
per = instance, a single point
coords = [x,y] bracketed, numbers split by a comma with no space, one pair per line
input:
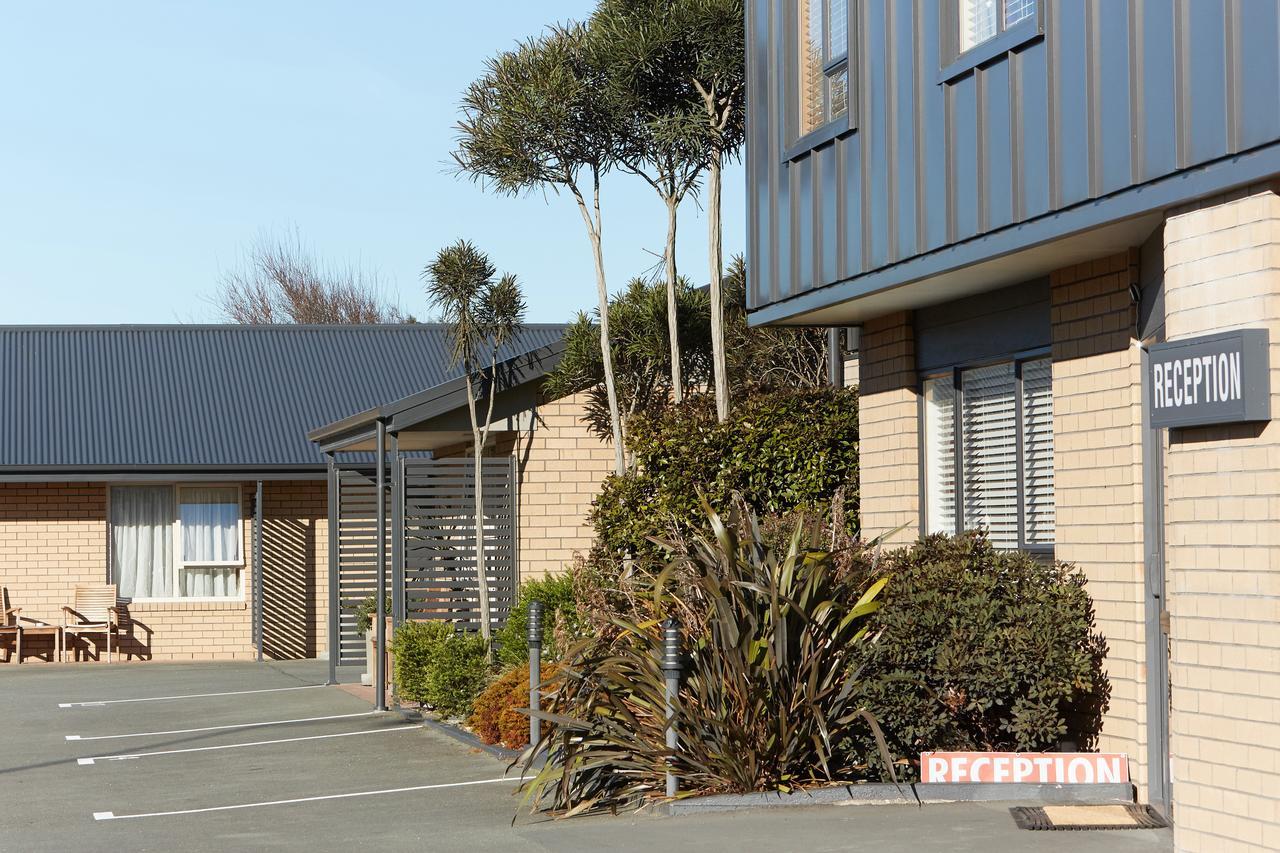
[439,539]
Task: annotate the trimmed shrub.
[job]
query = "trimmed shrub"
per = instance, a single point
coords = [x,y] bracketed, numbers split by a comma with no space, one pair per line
[458,675]
[497,717]
[364,612]
[980,649]
[560,620]
[782,451]
[414,649]
[438,667]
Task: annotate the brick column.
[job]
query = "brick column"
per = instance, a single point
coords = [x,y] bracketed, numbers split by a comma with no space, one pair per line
[1222,272]
[1097,435]
[889,429]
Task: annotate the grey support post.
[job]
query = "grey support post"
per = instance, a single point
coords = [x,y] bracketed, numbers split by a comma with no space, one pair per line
[397,532]
[671,666]
[379,616]
[535,671]
[335,641]
[258,593]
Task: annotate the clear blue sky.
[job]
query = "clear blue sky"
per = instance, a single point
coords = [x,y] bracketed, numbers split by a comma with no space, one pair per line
[144,145]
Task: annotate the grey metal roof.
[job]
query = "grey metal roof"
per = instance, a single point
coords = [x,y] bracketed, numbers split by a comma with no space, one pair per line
[205,397]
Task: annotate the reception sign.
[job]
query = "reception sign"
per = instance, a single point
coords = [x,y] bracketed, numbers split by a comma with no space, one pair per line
[1218,379]
[1036,768]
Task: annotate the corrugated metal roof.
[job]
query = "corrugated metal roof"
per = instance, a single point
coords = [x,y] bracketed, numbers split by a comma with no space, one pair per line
[205,396]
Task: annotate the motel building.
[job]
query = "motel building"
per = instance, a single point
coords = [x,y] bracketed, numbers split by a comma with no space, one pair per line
[1051,231]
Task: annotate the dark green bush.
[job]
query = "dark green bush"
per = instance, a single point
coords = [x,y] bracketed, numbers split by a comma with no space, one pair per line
[980,649]
[782,451]
[364,612]
[436,666]
[560,620]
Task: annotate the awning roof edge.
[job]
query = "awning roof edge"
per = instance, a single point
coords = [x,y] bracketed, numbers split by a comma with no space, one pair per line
[431,403]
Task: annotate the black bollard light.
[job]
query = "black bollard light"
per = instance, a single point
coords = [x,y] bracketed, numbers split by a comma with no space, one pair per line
[535,671]
[672,663]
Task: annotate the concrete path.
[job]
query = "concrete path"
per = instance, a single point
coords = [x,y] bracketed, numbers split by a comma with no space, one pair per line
[223,757]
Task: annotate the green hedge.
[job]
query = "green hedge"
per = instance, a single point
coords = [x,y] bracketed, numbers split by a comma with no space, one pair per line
[436,666]
[782,451]
[981,649]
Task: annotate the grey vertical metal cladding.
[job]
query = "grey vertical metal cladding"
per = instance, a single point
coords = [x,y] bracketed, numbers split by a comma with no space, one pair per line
[1113,94]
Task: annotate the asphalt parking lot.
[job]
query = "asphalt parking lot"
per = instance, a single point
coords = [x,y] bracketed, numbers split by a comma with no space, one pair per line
[236,756]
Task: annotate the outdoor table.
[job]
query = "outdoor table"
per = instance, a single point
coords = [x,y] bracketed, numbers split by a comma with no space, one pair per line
[54,631]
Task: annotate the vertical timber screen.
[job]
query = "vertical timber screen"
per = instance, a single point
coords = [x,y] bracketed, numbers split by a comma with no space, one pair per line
[439,539]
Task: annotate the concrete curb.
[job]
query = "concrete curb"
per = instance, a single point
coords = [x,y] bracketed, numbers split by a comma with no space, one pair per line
[887,794]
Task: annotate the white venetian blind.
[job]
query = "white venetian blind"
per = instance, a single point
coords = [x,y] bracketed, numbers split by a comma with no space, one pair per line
[978,21]
[940,454]
[989,445]
[1037,437]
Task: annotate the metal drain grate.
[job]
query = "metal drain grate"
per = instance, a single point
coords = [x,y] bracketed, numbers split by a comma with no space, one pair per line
[1084,818]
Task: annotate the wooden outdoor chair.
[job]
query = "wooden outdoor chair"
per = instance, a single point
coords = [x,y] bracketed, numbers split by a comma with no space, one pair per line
[12,623]
[95,612]
[9,624]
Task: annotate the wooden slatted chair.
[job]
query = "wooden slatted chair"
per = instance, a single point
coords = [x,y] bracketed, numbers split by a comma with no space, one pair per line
[95,612]
[9,624]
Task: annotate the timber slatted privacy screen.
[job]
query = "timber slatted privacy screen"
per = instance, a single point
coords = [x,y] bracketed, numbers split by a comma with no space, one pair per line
[439,543]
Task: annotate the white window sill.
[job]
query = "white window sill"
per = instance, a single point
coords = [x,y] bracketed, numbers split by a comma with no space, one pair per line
[144,605]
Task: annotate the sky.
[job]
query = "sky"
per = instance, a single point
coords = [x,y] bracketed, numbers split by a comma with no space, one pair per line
[144,146]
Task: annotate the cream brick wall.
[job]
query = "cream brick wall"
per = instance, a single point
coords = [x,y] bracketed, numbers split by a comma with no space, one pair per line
[1097,408]
[54,536]
[1222,488]
[888,428]
[561,468]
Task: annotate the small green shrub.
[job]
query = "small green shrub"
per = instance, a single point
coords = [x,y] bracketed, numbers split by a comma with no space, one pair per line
[364,612]
[414,649]
[981,649]
[436,666]
[560,620]
[458,674]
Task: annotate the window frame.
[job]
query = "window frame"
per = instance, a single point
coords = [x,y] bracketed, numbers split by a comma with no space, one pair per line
[176,556]
[802,144]
[955,372]
[955,63]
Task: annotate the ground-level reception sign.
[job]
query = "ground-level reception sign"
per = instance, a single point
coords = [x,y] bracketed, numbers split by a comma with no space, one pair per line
[1217,379]
[1034,768]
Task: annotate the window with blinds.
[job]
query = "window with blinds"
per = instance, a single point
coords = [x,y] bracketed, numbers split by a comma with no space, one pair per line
[981,20]
[824,62]
[989,431]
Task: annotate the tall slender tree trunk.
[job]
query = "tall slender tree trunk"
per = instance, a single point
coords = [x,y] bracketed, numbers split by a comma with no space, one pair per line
[673,321]
[715,261]
[482,574]
[602,291]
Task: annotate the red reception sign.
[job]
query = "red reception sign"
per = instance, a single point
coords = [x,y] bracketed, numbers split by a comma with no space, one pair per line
[1039,768]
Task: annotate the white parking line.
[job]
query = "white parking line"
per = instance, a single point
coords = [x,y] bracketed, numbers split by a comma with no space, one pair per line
[100,702]
[88,761]
[114,816]
[218,728]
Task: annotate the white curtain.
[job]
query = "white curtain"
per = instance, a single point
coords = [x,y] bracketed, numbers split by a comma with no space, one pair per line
[142,540]
[210,534]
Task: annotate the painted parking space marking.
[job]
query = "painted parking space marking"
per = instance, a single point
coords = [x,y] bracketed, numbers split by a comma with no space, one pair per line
[220,728]
[85,762]
[100,702]
[114,816]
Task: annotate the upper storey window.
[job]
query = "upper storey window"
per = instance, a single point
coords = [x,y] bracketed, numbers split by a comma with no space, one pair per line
[982,20]
[824,62]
